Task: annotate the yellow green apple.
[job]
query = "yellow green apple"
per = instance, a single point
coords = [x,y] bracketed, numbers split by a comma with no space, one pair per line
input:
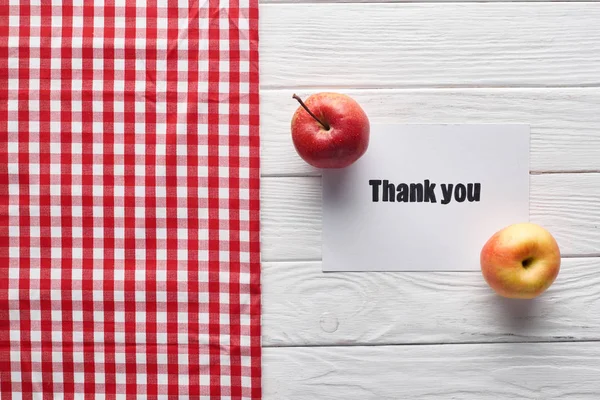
[520,261]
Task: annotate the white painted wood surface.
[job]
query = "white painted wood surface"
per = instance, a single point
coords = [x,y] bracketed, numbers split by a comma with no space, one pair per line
[430,45]
[304,307]
[565,122]
[399,1]
[432,335]
[478,372]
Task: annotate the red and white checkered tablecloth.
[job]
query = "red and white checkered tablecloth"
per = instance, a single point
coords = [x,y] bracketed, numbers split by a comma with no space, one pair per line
[129,200]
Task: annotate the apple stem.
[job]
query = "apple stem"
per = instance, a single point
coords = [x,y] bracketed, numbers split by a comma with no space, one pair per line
[327,127]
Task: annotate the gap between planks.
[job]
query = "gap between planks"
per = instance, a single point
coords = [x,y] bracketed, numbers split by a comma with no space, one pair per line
[380,2]
[309,260]
[558,339]
[428,86]
[316,174]
[420,88]
[580,171]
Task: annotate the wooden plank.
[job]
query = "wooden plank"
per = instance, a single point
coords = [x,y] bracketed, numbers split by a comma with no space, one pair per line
[479,372]
[396,1]
[303,306]
[430,45]
[565,122]
[569,206]
[566,204]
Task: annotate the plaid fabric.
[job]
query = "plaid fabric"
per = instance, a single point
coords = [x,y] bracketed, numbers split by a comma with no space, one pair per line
[129,200]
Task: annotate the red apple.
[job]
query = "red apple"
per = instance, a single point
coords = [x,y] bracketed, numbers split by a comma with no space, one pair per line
[520,261]
[330,130]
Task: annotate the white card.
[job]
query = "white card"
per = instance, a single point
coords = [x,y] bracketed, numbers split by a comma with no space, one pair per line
[418,222]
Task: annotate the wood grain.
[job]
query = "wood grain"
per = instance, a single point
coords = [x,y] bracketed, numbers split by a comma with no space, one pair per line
[565,122]
[430,45]
[303,306]
[566,204]
[290,218]
[569,206]
[398,1]
[479,372]
[536,63]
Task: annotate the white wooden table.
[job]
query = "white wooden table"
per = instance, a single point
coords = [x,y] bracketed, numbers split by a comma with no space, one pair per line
[433,335]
